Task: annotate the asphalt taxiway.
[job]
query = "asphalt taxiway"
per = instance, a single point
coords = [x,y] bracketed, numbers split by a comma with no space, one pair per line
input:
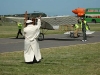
[12,44]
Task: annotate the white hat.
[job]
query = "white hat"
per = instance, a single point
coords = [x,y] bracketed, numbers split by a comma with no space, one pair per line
[29,21]
[82,18]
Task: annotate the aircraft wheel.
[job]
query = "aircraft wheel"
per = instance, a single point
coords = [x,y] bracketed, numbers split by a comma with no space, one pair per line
[78,35]
[71,35]
[41,37]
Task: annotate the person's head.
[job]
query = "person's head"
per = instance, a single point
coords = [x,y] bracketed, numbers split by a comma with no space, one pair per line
[82,19]
[34,20]
[78,18]
[29,22]
[73,25]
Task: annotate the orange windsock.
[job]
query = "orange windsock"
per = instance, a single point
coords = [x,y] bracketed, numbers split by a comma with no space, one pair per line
[79,11]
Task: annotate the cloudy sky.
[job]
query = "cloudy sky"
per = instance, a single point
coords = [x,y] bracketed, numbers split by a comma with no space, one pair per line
[50,7]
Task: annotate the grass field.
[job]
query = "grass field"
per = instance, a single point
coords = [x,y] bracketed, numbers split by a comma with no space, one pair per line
[67,60]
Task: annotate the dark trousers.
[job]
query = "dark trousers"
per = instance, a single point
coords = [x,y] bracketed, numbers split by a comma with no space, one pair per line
[84,34]
[19,32]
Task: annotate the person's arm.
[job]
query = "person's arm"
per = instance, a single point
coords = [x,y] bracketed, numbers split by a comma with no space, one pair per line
[88,26]
[26,18]
[39,22]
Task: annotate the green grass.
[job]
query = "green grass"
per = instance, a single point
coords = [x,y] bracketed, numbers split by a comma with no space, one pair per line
[95,27]
[67,60]
[8,30]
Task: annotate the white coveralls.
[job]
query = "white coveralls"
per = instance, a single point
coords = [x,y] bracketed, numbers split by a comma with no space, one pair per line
[31,45]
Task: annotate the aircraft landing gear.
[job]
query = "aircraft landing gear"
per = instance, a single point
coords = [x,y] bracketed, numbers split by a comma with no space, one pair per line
[41,37]
[72,35]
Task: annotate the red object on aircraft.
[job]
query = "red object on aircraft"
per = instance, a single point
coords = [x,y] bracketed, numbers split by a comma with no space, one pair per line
[79,11]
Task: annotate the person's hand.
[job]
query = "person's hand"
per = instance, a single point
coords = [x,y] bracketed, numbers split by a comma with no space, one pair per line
[89,28]
[39,17]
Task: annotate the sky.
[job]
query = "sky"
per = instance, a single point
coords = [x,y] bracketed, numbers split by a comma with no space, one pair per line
[50,7]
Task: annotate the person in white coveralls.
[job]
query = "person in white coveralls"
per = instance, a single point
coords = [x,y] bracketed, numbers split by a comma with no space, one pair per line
[31,46]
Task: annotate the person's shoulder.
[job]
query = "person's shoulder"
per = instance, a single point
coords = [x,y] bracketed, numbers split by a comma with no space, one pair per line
[24,28]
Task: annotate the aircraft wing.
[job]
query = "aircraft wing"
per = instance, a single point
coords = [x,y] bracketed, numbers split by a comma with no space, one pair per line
[87,32]
[51,23]
[56,21]
[16,19]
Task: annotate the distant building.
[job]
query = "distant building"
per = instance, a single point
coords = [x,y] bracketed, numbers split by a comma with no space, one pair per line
[29,15]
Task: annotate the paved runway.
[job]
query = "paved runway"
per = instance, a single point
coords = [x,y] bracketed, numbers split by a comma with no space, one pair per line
[12,44]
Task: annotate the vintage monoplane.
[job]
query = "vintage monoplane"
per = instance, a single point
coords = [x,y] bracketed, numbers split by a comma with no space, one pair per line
[51,23]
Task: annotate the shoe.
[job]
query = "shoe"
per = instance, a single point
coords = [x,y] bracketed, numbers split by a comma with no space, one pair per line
[38,61]
[83,40]
[78,35]
[16,37]
[29,62]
